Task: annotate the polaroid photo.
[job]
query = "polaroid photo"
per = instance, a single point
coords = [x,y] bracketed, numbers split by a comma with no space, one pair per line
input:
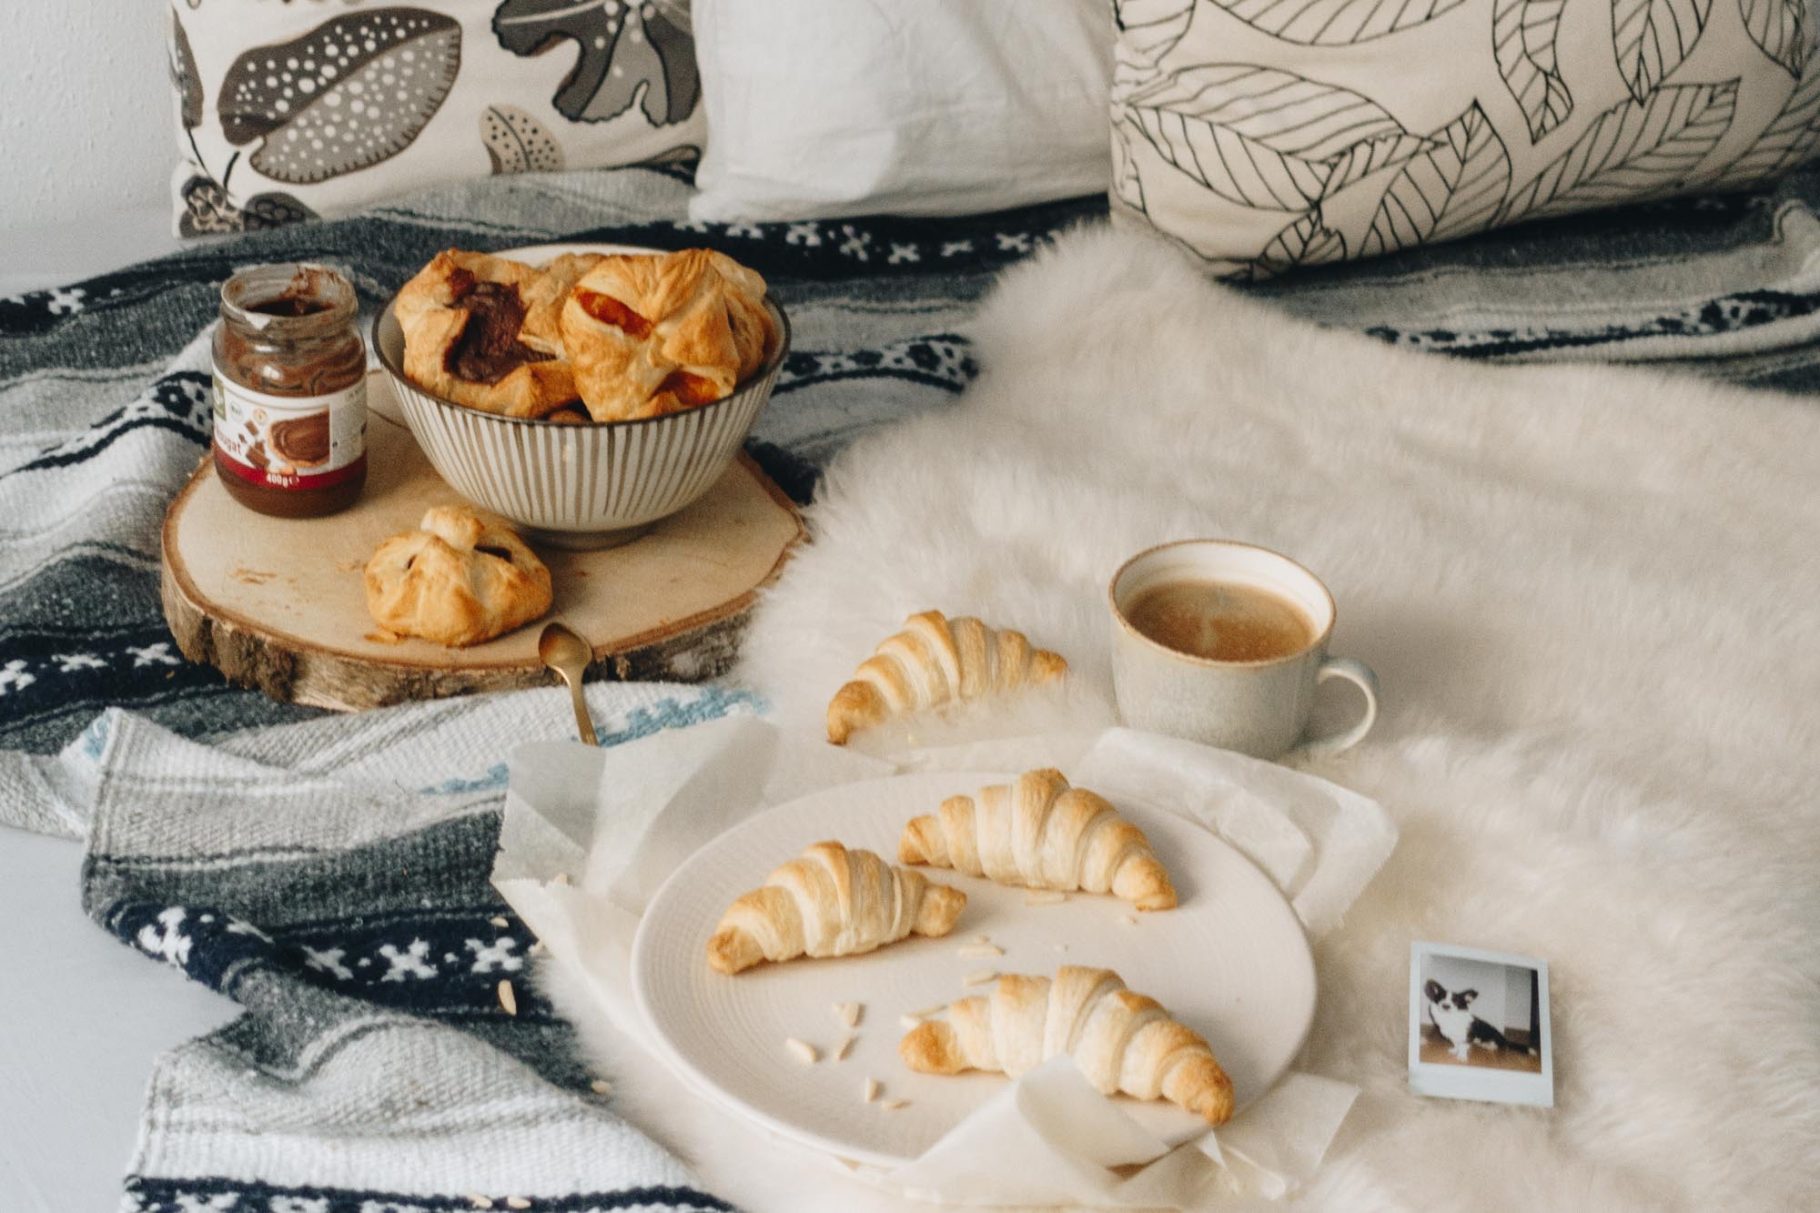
[1478,1026]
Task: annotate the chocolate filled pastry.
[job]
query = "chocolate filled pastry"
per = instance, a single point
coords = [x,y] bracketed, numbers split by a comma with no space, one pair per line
[459,579]
[464,318]
[303,441]
[655,335]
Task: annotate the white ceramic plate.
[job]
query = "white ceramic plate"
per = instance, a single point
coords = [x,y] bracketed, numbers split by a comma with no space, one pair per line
[1231,962]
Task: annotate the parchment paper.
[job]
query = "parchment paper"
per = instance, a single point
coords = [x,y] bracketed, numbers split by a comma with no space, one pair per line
[590,834]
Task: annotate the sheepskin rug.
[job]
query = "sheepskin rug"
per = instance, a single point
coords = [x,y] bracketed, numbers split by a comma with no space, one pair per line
[1593,598]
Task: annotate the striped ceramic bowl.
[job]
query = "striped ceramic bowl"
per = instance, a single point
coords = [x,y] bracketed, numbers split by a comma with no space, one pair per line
[579,485]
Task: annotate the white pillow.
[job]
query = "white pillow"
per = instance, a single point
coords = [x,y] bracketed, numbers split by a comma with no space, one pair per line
[819,108]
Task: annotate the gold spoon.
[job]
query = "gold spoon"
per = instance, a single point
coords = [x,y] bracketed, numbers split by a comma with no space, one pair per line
[568,654]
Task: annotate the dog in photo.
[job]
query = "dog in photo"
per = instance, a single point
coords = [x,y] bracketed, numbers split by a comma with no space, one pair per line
[1451,1013]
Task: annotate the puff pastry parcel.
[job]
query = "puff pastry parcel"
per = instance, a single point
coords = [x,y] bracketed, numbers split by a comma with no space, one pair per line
[1124,1042]
[481,331]
[654,335]
[830,902]
[458,579]
[933,661]
[1041,833]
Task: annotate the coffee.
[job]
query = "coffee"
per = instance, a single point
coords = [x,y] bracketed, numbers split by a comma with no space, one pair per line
[1221,621]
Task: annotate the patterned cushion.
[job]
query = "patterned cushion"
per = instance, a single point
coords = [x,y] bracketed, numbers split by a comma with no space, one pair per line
[288,112]
[1265,134]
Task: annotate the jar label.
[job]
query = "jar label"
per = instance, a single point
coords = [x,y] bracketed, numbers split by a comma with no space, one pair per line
[290,442]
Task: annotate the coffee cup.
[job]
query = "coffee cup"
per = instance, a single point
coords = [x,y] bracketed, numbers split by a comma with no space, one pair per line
[1224,643]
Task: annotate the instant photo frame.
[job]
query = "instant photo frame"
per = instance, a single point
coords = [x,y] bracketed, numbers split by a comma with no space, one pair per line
[1516,993]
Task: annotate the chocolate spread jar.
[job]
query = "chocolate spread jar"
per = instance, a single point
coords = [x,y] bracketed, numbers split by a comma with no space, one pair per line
[290,391]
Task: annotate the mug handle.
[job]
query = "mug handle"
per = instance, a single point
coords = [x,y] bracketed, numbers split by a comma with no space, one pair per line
[1360,675]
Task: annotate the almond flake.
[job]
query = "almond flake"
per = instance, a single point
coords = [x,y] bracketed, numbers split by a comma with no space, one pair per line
[848,1013]
[1044,897]
[601,1086]
[846,1047]
[980,977]
[802,1050]
[478,1201]
[873,1087]
[909,1022]
[508,997]
[979,951]
[517,1202]
[499,920]
[892,1105]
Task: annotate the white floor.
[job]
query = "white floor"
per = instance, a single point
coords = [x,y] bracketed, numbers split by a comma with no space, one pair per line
[81,1016]
[81,1020]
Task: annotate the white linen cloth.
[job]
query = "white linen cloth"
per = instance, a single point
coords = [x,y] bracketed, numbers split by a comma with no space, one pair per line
[590,835]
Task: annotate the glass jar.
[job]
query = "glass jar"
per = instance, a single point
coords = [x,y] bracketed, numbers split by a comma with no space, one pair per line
[290,391]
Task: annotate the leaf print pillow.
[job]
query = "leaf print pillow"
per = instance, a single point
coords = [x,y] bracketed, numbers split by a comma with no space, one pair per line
[286,113]
[1268,134]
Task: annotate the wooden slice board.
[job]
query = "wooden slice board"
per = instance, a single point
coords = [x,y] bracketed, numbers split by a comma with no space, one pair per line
[279,604]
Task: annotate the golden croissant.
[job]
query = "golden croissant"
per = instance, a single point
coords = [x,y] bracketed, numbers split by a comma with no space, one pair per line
[1042,834]
[830,902]
[936,660]
[1122,1041]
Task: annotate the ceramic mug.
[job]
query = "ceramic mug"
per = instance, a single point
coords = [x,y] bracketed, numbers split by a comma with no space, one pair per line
[1259,708]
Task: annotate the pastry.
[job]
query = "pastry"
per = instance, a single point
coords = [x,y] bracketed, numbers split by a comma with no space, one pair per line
[1041,833]
[545,296]
[463,318]
[933,661]
[653,335]
[830,902]
[458,579]
[1123,1042]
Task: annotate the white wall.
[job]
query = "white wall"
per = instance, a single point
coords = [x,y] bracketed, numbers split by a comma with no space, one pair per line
[85,110]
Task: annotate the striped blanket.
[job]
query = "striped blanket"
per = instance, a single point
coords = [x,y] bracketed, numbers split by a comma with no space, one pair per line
[330,873]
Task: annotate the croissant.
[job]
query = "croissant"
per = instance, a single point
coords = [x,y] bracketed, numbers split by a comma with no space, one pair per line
[830,902]
[1042,834]
[1122,1041]
[932,661]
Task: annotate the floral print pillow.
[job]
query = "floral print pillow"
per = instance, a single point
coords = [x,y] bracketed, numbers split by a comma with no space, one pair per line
[308,108]
[1266,134]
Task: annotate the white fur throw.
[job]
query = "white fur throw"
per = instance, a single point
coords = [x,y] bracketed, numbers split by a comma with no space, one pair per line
[1592,597]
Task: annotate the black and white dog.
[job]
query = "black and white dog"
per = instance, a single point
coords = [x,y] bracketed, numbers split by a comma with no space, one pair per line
[1453,1018]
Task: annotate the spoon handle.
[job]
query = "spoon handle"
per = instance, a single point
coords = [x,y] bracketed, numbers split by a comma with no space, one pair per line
[583,721]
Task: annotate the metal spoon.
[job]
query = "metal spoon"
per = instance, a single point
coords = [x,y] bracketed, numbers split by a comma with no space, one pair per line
[568,654]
